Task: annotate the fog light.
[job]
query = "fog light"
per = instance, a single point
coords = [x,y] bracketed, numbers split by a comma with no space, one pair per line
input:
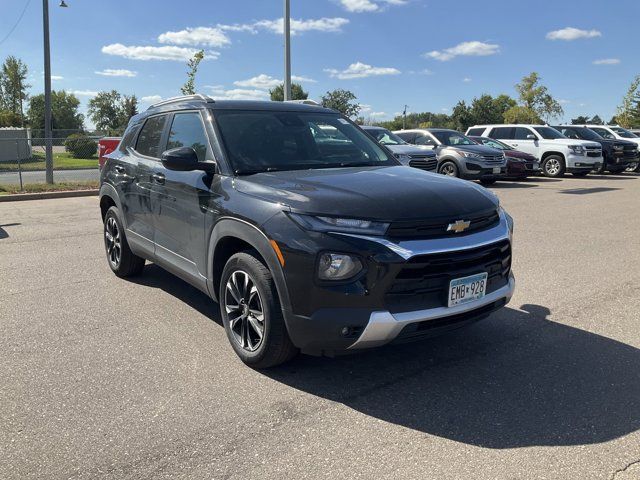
[338,266]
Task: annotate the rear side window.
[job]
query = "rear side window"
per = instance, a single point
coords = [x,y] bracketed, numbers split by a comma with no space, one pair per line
[128,138]
[149,139]
[502,133]
[475,132]
[521,133]
[187,131]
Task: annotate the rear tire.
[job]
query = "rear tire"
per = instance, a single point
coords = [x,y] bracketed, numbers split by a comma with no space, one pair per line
[553,166]
[123,262]
[252,314]
[449,168]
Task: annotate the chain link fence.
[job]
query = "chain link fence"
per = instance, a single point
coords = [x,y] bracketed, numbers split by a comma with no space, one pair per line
[23,156]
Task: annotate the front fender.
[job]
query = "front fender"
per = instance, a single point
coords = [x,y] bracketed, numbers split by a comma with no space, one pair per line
[252,235]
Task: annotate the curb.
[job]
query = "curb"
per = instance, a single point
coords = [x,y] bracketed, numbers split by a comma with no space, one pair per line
[17,197]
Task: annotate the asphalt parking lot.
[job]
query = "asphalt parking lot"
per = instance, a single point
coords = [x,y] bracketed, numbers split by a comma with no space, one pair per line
[107,378]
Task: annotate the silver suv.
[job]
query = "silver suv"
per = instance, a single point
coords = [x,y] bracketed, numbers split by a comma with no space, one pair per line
[458,155]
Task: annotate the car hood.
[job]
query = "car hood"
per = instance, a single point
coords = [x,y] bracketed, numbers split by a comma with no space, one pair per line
[411,150]
[519,155]
[378,193]
[479,149]
[571,141]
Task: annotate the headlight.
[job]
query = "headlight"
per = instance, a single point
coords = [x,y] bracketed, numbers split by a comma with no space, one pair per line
[469,154]
[402,157]
[577,149]
[341,225]
[338,266]
[509,219]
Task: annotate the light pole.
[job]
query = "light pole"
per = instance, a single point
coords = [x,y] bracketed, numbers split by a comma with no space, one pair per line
[47,94]
[287,50]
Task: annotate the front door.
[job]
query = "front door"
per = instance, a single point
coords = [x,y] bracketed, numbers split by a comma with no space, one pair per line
[522,143]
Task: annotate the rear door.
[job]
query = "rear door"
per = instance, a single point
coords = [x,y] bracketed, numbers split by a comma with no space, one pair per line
[180,199]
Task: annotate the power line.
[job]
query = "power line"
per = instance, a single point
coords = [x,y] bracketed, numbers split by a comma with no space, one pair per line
[26,5]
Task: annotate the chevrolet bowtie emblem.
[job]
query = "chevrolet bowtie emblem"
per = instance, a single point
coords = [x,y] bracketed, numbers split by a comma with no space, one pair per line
[459,226]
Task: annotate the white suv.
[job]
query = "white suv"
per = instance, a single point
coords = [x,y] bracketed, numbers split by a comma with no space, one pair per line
[614,132]
[557,153]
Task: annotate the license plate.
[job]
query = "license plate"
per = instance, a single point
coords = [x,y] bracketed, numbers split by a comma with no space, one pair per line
[496,169]
[467,289]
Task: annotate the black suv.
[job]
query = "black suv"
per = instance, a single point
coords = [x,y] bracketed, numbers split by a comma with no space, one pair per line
[307,241]
[617,154]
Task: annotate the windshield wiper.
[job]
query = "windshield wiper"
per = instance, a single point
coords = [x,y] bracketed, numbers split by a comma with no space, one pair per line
[253,171]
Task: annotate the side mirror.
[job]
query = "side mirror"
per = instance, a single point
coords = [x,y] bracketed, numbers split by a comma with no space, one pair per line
[185,159]
[531,136]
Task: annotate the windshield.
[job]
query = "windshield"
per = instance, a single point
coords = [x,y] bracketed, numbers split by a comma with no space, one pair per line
[624,133]
[261,141]
[385,137]
[579,133]
[490,142]
[548,133]
[452,138]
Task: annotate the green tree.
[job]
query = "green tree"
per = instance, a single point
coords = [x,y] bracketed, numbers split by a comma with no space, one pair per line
[521,114]
[111,111]
[580,120]
[462,116]
[341,100]
[536,97]
[13,87]
[502,103]
[596,120]
[297,93]
[628,113]
[64,111]
[189,88]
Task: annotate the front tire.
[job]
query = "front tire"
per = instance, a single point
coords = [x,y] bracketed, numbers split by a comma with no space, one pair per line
[251,313]
[580,174]
[553,166]
[123,262]
[449,168]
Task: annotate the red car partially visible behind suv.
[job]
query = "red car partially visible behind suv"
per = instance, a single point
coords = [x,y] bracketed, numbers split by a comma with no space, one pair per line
[106,145]
[519,164]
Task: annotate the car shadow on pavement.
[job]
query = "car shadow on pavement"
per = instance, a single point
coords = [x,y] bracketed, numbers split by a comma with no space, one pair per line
[157,277]
[3,232]
[516,379]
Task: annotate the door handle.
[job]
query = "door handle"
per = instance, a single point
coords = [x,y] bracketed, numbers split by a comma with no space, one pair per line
[158,177]
[119,169]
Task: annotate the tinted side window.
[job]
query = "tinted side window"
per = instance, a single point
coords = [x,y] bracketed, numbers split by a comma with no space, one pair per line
[128,138]
[569,132]
[502,133]
[407,136]
[475,132]
[149,139]
[521,133]
[187,131]
[423,139]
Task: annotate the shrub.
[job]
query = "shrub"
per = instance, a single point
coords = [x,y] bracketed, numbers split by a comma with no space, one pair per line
[80,146]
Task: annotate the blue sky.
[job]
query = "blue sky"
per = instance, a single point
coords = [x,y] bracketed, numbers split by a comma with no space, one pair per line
[427,54]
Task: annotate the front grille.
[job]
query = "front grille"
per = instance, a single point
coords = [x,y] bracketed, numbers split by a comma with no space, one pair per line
[409,229]
[423,281]
[630,151]
[594,151]
[427,163]
[493,159]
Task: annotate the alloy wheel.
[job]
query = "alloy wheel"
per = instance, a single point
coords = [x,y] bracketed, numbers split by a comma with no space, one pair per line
[448,170]
[552,166]
[632,167]
[113,241]
[244,309]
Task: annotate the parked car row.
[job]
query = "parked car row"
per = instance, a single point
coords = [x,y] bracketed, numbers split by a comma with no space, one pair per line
[510,152]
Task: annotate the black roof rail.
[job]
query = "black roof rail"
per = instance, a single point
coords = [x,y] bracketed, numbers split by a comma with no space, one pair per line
[182,98]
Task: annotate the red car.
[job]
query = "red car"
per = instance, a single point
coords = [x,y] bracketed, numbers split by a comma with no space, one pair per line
[519,164]
[106,145]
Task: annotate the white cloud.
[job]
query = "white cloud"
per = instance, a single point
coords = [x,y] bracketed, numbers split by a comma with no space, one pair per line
[377,114]
[84,93]
[358,6]
[151,99]
[57,77]
[262,81]
[218,92]
[361,70]
[301,26]
[564,101]
[166,52]
[466,80]
[466,49]
[117,72]
[607,61]
[267,82]
[570,33]
[206,36]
